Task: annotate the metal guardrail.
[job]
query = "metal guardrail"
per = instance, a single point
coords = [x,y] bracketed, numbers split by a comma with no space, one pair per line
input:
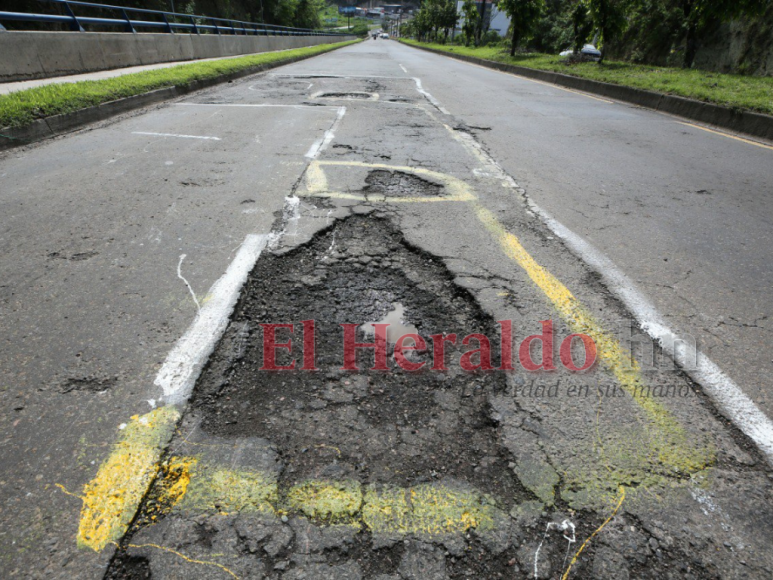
[168,21]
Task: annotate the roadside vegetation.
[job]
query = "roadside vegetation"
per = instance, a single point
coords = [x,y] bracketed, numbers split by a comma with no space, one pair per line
[734,91]
[23,107]
[661,32]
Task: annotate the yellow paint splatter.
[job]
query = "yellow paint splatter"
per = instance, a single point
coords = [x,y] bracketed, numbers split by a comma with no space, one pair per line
[111,499]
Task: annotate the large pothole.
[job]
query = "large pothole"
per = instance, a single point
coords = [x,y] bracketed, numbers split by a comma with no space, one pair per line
[394,427]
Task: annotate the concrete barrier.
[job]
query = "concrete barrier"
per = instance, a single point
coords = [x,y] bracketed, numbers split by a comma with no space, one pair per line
[35,55]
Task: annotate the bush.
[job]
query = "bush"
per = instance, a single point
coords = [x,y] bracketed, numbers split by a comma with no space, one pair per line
[491,38]
[360,30]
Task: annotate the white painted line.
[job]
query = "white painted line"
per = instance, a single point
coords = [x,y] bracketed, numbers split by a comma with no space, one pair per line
[732,402]
[176,135]
[430,98]
[726,394]
[320,144]
[405,70]
[184,363]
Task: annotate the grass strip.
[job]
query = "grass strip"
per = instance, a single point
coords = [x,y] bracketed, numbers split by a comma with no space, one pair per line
[752,93]
[23,107]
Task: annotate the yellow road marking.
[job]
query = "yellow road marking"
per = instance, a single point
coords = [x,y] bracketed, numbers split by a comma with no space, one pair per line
[111,499]
[429,509]
[317,183]
[728,135]
[670,441]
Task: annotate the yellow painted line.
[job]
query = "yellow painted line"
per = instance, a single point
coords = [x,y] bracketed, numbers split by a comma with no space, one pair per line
[111,499]
[668,440]
[728,135]
[317,183]
[326,500]
[426,509]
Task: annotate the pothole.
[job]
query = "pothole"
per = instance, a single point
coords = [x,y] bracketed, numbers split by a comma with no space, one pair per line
[347,96]
[336,474]
[395,427]
[399,184]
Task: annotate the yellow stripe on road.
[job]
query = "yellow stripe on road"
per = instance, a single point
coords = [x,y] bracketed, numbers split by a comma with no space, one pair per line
[669,440]
[111,499]
[728,135]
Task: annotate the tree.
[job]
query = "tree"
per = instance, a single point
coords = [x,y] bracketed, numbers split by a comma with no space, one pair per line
[581,25]
[524,16]
[471,16]
[609,18]
[449,16]
[698,13]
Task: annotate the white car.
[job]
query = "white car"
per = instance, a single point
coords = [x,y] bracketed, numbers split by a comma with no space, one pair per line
[384,35]
[588,50]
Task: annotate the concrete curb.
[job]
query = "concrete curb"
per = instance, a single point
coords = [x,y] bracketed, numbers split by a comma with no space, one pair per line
[11,137]
[755,124]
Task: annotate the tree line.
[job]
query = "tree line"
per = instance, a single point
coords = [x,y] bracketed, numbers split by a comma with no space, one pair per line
[654,28]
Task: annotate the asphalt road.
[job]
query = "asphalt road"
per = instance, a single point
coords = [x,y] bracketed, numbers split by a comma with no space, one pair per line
[686,214]
[361,178]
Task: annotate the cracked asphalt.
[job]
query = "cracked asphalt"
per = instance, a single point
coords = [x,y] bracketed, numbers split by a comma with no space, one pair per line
[366,191]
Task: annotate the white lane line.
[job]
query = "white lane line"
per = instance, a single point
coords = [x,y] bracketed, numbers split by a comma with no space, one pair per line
[721,389]
[190,353]
[320,144]
[405,70]
[176,135]
[429,97]
[726,394]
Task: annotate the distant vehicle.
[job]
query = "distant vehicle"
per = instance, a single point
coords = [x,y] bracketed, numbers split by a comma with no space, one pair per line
[384,35]
[588,50]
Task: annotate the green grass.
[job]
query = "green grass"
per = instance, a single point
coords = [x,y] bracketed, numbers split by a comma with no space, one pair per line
[24,107]
[734,91]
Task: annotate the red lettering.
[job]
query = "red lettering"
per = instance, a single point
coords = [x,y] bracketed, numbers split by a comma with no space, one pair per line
[483,351]
[418,344]
[351,345]
[439,350]
[309,346]
[270,345]
[566,352]
[506,345]
[524,352]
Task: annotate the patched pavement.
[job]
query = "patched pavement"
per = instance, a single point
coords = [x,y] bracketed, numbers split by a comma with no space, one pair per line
[396,208]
